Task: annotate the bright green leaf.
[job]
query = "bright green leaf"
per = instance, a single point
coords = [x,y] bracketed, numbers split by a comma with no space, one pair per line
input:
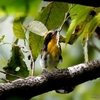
[83,27]
[53,15]
[90,27]
[35,44]
[16,61]
[75,10]
[18,28]
[94,23]
[77,32]
[81,16]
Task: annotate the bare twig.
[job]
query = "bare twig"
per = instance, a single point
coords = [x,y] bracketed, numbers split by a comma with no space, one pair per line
[5,80]
[85,48]
[10,74]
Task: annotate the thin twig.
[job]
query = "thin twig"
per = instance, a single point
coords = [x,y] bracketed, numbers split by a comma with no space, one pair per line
[32,66]
[66,18]
[5,80]
[11,74]
[85,48]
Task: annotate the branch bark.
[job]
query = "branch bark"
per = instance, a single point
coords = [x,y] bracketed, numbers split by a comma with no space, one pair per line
[49,81]
[83,2]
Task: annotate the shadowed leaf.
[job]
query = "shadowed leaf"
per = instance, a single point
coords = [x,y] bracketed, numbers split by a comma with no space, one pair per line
[16,64]
[35,44]
[53,15]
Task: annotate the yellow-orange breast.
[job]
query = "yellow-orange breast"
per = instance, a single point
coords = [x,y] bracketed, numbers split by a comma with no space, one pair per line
[53,48]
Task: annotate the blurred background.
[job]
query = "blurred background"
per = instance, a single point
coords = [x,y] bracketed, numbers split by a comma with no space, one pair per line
[72,55]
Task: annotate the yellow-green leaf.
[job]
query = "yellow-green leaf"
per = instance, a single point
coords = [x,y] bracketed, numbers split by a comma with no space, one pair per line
[75,10]
[90,27]
[94,23]
[18,28]
[80,17]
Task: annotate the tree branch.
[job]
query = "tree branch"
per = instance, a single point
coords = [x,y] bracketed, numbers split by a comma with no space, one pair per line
[48,81]
[84,2]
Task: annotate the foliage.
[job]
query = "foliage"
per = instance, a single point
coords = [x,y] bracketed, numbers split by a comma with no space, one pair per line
[84,20]
[19,7]
[15,64]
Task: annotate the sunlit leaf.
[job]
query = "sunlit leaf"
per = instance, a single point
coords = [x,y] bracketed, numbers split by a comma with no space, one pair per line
[35,44]
[16,64]
[90,27]
[81,16]
[37,27]
[81,27]
[94,23]
[18,28]
[53,15]
[77,32]
[75,10]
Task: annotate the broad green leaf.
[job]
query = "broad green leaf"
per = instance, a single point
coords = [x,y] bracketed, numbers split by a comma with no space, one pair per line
[53,15]
[16,64]
[18,28]
[35,44]
[19,7]
[81,16]
[37,27]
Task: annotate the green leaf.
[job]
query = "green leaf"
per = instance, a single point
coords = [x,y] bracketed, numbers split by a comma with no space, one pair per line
[75,10]
[81,16]
[91,26]
[53,15]
[18,28]
[19,7]
[16,64]
[77,32]
[35,44]
[94,23]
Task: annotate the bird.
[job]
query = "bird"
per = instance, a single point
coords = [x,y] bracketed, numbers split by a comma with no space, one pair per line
[51,51]
[51,54]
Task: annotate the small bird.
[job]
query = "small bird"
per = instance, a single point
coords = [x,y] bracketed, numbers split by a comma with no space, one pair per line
[51,51]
